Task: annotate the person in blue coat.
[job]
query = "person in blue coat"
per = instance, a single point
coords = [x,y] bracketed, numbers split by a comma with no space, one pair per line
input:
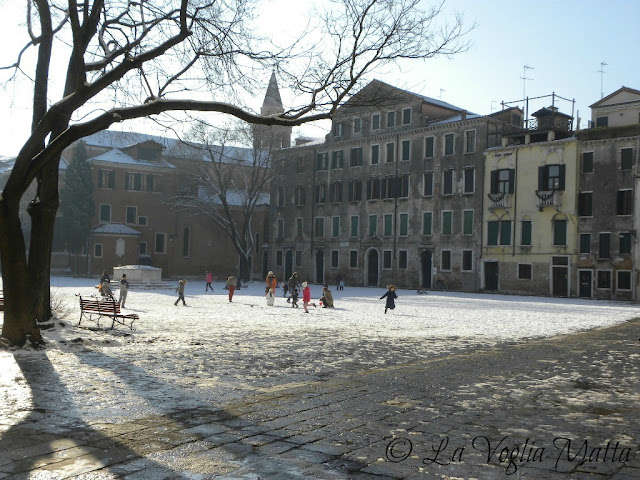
[391,298]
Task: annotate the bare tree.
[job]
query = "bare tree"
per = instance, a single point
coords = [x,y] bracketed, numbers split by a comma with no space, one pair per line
[129,60]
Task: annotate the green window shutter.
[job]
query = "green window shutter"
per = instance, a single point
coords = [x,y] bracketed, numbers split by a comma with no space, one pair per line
[388,225]
[404,224]
[505,232]
[585,243]
[354,226]
[373,225]
[626,161]
[427,223]
[493,227]
[625,242]
[512,180]
[494,181]
[336,226]
[541,177]
[560,232]
[468,223]
[446,223]
[587,162]
[562,175]
[526,233]
[428,147]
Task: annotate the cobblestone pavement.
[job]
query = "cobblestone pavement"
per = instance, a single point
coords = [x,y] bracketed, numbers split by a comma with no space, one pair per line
[559,408]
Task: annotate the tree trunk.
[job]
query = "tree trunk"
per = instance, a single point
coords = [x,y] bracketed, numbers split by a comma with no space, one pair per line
[245,271]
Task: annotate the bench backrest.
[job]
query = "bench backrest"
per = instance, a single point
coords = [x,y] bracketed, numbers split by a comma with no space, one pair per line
[109,306]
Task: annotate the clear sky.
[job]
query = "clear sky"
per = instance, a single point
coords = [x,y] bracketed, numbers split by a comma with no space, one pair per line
[565,42]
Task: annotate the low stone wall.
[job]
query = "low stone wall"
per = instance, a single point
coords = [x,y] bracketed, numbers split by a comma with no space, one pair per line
[138,273]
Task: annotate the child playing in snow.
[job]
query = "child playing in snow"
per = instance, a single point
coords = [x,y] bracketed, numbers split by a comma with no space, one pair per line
[294,298]
[306,296]
[391,297]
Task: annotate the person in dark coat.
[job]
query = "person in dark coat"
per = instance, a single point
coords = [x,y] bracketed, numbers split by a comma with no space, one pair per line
[293,283]
[294,298]
[391,298]
[327,297]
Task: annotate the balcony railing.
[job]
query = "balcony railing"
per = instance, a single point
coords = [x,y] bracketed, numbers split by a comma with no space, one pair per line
[549,198]
[499,200]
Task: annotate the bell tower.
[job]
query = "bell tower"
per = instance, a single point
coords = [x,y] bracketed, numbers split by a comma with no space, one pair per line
[277,136]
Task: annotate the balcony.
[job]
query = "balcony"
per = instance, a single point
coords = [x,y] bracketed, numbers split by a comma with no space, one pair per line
[499,200]
[548,198]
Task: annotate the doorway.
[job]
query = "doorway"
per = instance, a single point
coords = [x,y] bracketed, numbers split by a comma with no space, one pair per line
[265,264]
[288,264]
[585,279]
[560,276]
[373,260]
[491,276]
[320,266]
[426,261]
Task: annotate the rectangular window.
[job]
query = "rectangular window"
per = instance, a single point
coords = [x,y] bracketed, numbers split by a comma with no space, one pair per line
[319,227]
[447,182]
[335,192]
[135,181]
[388,224]
[106,178]
[373,225]
[299,164]
[445,256]
[406,116]
[337,159]
[499,232]
[386,259]
[604,249]
[625,242]
[467,222]
[560,232]
[373,189]
[524,271]
[299,227]
[105,213]
[375,154]
[429,147]
[428,184]
[320,193]
[142,220]
[427,223]
[624,280]
[391,119]
[280,228]
[334,258]
[391,152]
[337,129]
[404,224]
[503,180]
[467,260]
[322,161]
[525,233]
[602,121]
[585,204]
[469,179]
[624,202]
[375,121]
[281,196]
[355,226]
[97,250]
[587,162]
[551,177]
[353,259]
[470,141]
[447,222]
[299,196]
[448,144]
[355,190]
[298,258]
[161,243]
[505,232]
[355,160]
[403,259]
[335,227]
[142,248]
[357,125]
[626,158]
[279,257]
[603,279]
[406,150]
[150,183]
[585,243]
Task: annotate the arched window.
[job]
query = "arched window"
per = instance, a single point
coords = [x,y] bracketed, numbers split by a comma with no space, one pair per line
[186,242]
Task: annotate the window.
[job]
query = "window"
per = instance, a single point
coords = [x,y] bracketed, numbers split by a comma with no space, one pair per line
[137,182]
[357,125]
[585,204]
[337,129]
[373,225]
[355,159]
[447,221]
[467,222]
[428,184]
[97,250]
[373,189]
[299,227]
[186,242]
[391,119]
[445,264]
[355,190]
[334,258]
[404,224]
[142,221]
[355,226]
[525,233]
[623,281]
[388,224]
[353,259]
[560,232]
[320,193]
[524,271]
[299,164]
[375,154]
[469,179]
[391,152]
[106,178]
[322,161]
[319,227]
[551,177]
[406,150]
[131,215]
[427,223]
[503,181]
[499,232]
[142,248]
[604,246]
[602,121]
[335,192]
[603,279]
[281,196]
[625,242]
[280,228]
[279,258]
[335,227]
[626,158]
[467,260]
[403,259]
[470,141]
[161,243]
[587,162]
[337,159]
[298,258]
[447,182]
[105,213]
[429,147]
[406,116]
[298,196]
[375,121]
[386,259]
[448,144]
[624,205]
[585,243]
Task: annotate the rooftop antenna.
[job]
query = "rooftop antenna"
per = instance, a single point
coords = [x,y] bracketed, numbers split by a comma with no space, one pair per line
[602,72]
[441,90]
[492,102]
[524,81]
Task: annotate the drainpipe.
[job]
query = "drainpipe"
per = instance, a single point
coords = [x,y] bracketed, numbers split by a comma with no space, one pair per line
[314,159]
[395,213]
[515,203]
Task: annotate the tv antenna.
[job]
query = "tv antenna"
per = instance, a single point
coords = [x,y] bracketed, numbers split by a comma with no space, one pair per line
[524,80]
[602,72]
[441,90]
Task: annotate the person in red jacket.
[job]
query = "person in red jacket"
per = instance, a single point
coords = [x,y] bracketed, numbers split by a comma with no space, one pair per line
[270,290]
[306,296]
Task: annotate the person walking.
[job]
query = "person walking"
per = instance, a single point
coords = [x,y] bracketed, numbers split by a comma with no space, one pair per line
[180,290]
[209,280]
[294,298]
[293,283]
[306,296]
[232,281]
[327,297]
[124,289]
[391,297]
[270,290]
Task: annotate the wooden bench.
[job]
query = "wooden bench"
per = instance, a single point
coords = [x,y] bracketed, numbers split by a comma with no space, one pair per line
[94,308]
[1,301]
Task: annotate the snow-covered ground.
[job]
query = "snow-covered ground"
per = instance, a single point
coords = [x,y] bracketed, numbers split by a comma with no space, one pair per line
[213,351]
